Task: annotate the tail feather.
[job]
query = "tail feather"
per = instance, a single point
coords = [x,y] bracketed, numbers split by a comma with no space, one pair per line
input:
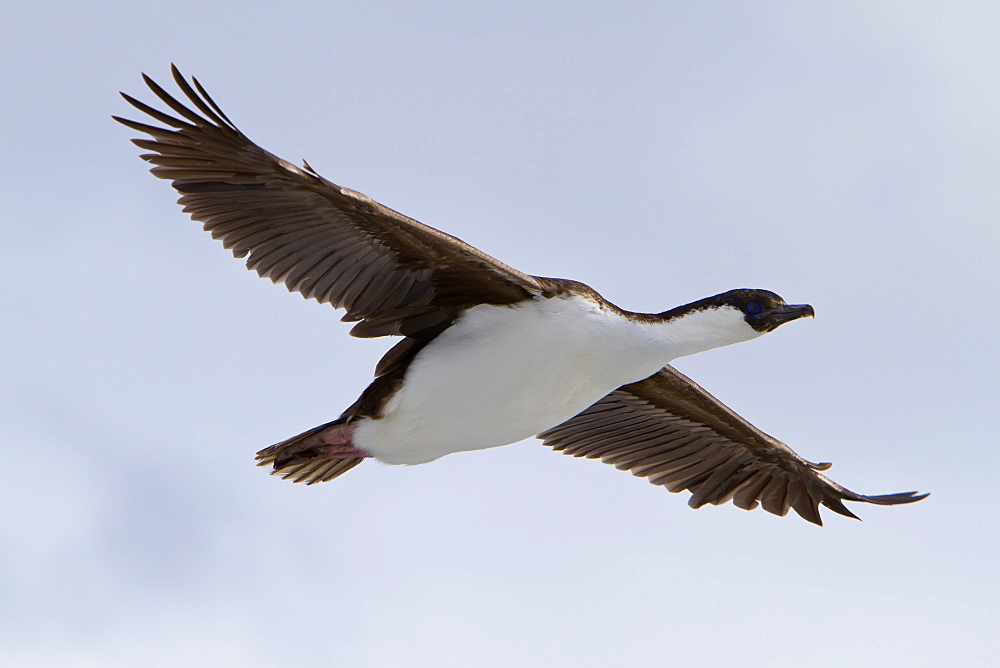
[282,458]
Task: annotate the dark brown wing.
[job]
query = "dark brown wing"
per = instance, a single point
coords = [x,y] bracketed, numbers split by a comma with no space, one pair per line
[328,243]
[670,430]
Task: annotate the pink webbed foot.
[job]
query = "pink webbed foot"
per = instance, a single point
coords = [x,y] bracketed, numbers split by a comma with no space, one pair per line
[333,443]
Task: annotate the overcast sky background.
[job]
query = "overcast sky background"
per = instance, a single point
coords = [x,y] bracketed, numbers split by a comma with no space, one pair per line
[841,154]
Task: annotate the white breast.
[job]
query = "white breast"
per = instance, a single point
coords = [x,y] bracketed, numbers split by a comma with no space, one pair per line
[501,374]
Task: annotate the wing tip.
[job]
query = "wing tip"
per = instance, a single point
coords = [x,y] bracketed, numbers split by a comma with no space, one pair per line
[897,499]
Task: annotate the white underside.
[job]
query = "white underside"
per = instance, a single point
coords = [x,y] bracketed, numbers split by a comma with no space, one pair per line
[501,374]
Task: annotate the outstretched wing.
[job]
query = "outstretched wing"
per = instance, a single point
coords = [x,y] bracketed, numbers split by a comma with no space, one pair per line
[332,244]
[670,430]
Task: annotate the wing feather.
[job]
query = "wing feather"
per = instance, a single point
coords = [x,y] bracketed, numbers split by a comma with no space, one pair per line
[669,430]
[390,272]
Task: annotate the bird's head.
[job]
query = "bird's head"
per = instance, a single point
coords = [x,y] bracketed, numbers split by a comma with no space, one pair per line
[763,310]
[730,317]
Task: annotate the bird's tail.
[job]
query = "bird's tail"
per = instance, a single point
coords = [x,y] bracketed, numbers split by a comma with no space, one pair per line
[290,459]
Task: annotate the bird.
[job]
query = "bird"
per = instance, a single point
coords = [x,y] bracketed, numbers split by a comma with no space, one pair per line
[486,354]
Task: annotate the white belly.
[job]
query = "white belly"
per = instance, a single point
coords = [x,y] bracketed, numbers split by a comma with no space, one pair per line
[502,374]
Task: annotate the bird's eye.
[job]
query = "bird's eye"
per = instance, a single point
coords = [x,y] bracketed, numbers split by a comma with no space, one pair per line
[753,308]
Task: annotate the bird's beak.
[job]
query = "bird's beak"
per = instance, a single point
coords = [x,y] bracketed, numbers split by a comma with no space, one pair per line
[771,320]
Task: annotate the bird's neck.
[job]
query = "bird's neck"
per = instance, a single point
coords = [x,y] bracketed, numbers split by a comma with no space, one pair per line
[694,331]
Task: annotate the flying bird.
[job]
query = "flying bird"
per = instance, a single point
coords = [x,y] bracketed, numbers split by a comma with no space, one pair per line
[488,355]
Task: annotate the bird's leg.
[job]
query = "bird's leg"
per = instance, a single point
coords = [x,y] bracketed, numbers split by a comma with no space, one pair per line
[337,442]
[333,443]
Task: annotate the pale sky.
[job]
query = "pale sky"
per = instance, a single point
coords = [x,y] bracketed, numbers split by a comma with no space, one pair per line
[841,154]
